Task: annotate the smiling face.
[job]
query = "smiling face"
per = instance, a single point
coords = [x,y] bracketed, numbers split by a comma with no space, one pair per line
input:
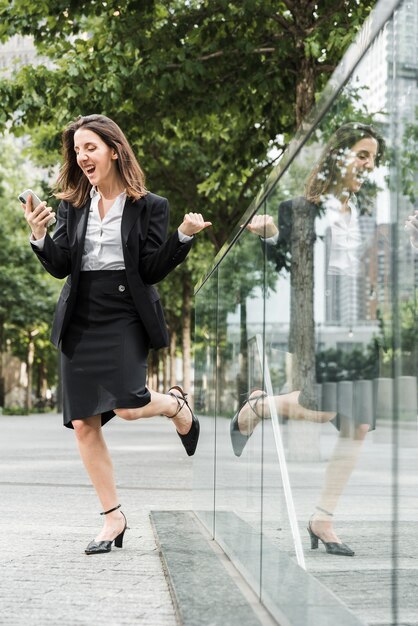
[357,163]
[95,157]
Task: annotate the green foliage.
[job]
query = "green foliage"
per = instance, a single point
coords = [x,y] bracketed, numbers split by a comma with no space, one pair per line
[400,344]
[334,365]
[15,410]
[205,91]
[409,160]
[28,294]
[378,357]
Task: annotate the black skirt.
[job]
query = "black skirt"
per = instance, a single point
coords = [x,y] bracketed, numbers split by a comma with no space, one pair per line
[104,350]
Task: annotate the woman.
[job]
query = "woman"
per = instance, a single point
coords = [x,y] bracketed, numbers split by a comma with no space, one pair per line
[350,155]
[110,242]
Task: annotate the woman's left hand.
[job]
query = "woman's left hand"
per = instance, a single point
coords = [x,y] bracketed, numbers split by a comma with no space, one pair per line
[193,223]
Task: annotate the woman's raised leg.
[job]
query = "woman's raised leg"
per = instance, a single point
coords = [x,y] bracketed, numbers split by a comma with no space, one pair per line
[161,404]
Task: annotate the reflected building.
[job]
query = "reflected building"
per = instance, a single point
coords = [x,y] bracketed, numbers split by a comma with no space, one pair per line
[346,297]
[363,299]
[376,279]
[354,301]
[388,77]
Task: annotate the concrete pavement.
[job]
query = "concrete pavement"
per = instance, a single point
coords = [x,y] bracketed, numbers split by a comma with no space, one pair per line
[49,512]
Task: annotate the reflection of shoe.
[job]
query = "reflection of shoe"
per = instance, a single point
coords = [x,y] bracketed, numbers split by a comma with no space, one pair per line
[338,549]
[190,439]
[239,440]
[100,547]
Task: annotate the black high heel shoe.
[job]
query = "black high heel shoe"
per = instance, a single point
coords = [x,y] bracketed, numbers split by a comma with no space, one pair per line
[338,549]
[190,439]
[238,440]
[100,547]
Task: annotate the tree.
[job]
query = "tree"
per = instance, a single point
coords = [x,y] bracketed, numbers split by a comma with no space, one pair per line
[207,90]
[409,160]
[28,295]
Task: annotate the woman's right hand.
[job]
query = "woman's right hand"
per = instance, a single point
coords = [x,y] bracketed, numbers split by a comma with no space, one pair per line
[263,226]
[37,218]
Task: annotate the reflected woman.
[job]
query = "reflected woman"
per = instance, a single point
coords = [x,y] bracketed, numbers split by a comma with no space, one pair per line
[350,155]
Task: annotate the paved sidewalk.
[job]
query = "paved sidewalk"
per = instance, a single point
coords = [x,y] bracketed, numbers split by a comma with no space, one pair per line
[49,512]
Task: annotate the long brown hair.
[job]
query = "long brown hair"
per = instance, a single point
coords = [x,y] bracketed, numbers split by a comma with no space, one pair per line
[326,171]
[73,185]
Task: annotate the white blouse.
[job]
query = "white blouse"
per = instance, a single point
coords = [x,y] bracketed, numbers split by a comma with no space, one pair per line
[103,242]
[346,239]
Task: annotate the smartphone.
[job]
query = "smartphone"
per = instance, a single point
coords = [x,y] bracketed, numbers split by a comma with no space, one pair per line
[23,197]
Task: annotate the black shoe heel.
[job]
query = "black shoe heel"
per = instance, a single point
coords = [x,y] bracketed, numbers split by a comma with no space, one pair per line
[337,549]
[314,539]
[101,547]
[119,538]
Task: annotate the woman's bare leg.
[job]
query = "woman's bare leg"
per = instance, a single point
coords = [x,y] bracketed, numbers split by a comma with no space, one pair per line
[338,471]
[96,459]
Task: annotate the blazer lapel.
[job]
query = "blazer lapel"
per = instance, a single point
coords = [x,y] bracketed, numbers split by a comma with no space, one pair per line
[81,222]
[80,231]
[131,212]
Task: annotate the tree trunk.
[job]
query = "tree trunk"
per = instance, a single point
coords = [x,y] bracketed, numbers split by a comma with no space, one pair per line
[242,386]
[223,406]
[173,349]
[2,383]
[186,331]
[153,364]
[305,89]
[29,365]
[156,367]
[302,324]
[150,372]
[164,359]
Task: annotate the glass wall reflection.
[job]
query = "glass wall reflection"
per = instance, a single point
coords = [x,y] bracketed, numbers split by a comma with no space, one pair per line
[205,398]
[314,360]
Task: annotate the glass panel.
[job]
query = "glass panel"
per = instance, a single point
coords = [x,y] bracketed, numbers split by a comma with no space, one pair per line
[350,360]
[330,228]
[205,384]
[400,328]
[317,307]
[238,493]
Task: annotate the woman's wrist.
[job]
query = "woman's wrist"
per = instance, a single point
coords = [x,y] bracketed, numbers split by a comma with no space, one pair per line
[38,234]
[183,237]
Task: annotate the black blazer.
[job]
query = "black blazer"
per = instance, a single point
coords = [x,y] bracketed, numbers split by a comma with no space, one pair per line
[148,257]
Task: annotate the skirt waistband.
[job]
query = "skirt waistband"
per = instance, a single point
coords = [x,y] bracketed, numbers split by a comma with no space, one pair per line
[91,275]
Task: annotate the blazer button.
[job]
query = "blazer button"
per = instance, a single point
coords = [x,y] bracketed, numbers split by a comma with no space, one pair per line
[121,288]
